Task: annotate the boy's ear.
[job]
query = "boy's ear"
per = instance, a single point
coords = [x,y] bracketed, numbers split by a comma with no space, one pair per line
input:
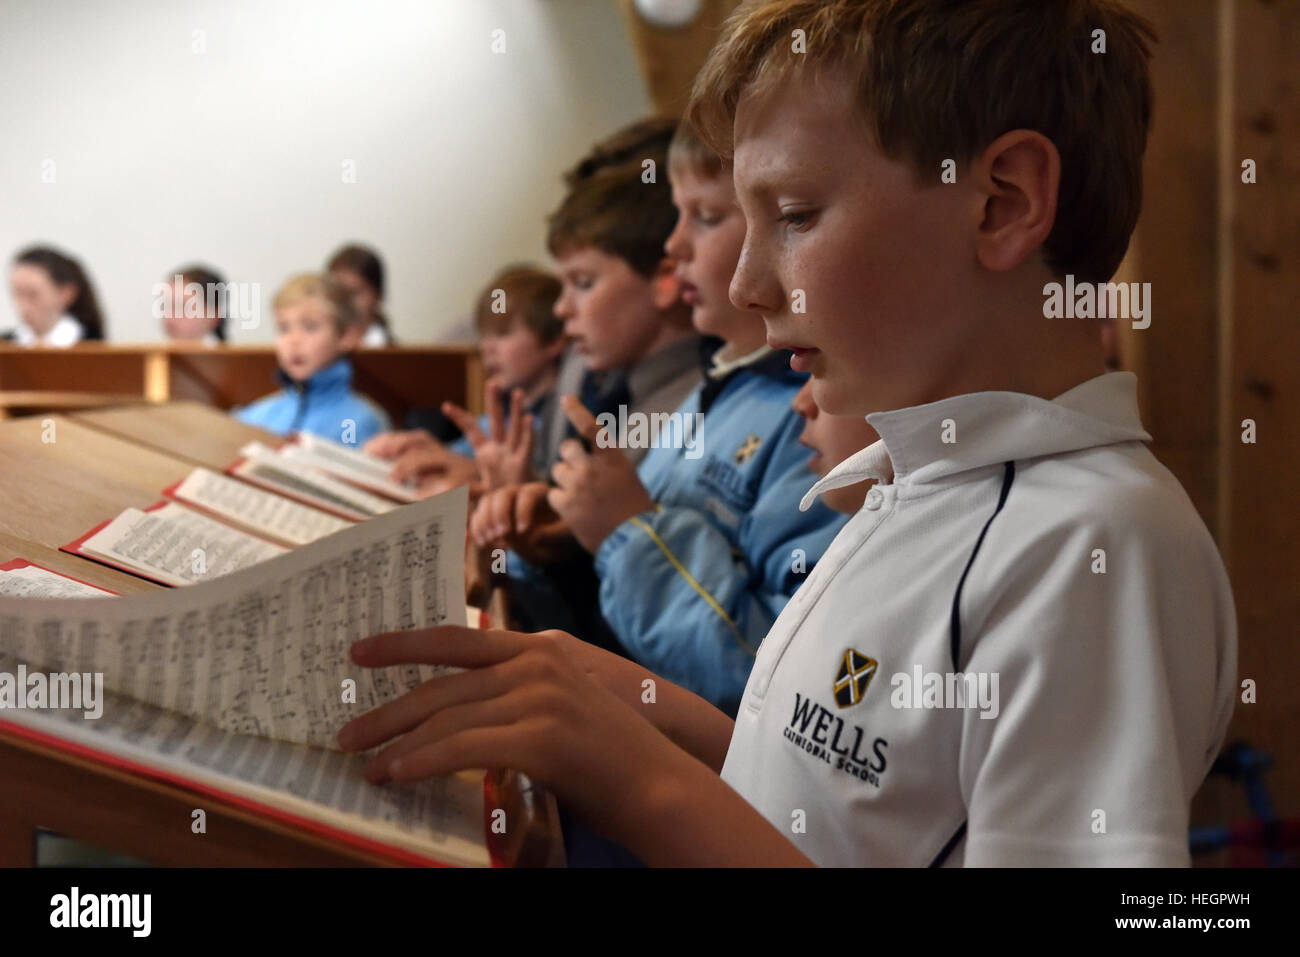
[667,287]
[1019,175]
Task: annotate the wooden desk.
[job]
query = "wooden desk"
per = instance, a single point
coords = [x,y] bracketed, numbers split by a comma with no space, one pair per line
[32,402]
[192,431]
[56,490]
[98,464]
[399,378]
[115,810]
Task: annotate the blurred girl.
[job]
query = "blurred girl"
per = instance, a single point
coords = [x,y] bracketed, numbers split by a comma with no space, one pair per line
[55,301]
[198,306]
[361,272]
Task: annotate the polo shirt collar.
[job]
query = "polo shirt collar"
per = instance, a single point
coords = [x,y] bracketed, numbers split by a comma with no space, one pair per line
[990,428]
[725,361]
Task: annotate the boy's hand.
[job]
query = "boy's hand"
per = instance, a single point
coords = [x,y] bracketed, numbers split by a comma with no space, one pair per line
[389,445]
[519,518]
[434,469]
[505,456]
[595,491]
[525,702]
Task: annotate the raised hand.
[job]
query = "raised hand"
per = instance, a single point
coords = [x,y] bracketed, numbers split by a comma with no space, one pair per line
[595,491]
[504,455]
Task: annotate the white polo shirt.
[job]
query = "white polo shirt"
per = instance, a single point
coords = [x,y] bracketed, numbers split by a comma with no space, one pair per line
[1090,616]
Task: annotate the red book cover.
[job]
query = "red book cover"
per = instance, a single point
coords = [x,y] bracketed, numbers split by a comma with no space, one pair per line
[74,548]
[16,563]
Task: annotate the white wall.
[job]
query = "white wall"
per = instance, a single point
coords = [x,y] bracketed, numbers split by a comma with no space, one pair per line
[233,155]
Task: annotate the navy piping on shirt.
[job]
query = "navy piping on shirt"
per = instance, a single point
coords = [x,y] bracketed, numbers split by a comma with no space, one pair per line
[954,631]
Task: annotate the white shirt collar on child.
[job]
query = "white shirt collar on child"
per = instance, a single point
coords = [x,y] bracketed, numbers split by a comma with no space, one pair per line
[66,332]
[927,442]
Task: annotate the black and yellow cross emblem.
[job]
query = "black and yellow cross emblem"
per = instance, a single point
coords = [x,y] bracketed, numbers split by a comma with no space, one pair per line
[856,672]
[747,449]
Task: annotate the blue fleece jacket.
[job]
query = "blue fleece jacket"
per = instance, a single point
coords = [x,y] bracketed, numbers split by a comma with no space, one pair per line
[692,587]
[324,405]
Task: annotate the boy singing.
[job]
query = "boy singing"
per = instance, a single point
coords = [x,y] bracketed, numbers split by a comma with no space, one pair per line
[1021,546]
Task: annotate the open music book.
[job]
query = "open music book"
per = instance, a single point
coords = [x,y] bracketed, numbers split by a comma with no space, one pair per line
[20,578]
[238,684]
[254,509]
[172,545]
[305,483]
[350,464]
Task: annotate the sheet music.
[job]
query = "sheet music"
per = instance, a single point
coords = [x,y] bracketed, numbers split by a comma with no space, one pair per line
[33,582]
[177,545]
[441,816]
[317,482]
[346,455]
[264,512]
[264,650]
[283,483]
[344,470]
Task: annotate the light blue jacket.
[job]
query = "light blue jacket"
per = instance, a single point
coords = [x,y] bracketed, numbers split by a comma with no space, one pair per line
[324,405]
[692,587]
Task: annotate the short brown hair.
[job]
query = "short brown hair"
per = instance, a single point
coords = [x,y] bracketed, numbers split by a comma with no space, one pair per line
[646,138]
[529,297]
[940,79]
[617,210]
[317,286]
[689,151]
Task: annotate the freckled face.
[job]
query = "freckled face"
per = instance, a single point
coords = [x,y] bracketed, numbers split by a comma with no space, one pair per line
[848,261]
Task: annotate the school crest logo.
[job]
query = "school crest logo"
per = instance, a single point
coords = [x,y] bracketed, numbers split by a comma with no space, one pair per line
[856,672]
[747,449]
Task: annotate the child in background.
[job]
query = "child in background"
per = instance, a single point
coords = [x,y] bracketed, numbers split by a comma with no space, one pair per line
[620,301]
[833,438]
[521,343]
[360,271]
[315,328]
[700,546]
[55,300]
[1020,535]
[198,306]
